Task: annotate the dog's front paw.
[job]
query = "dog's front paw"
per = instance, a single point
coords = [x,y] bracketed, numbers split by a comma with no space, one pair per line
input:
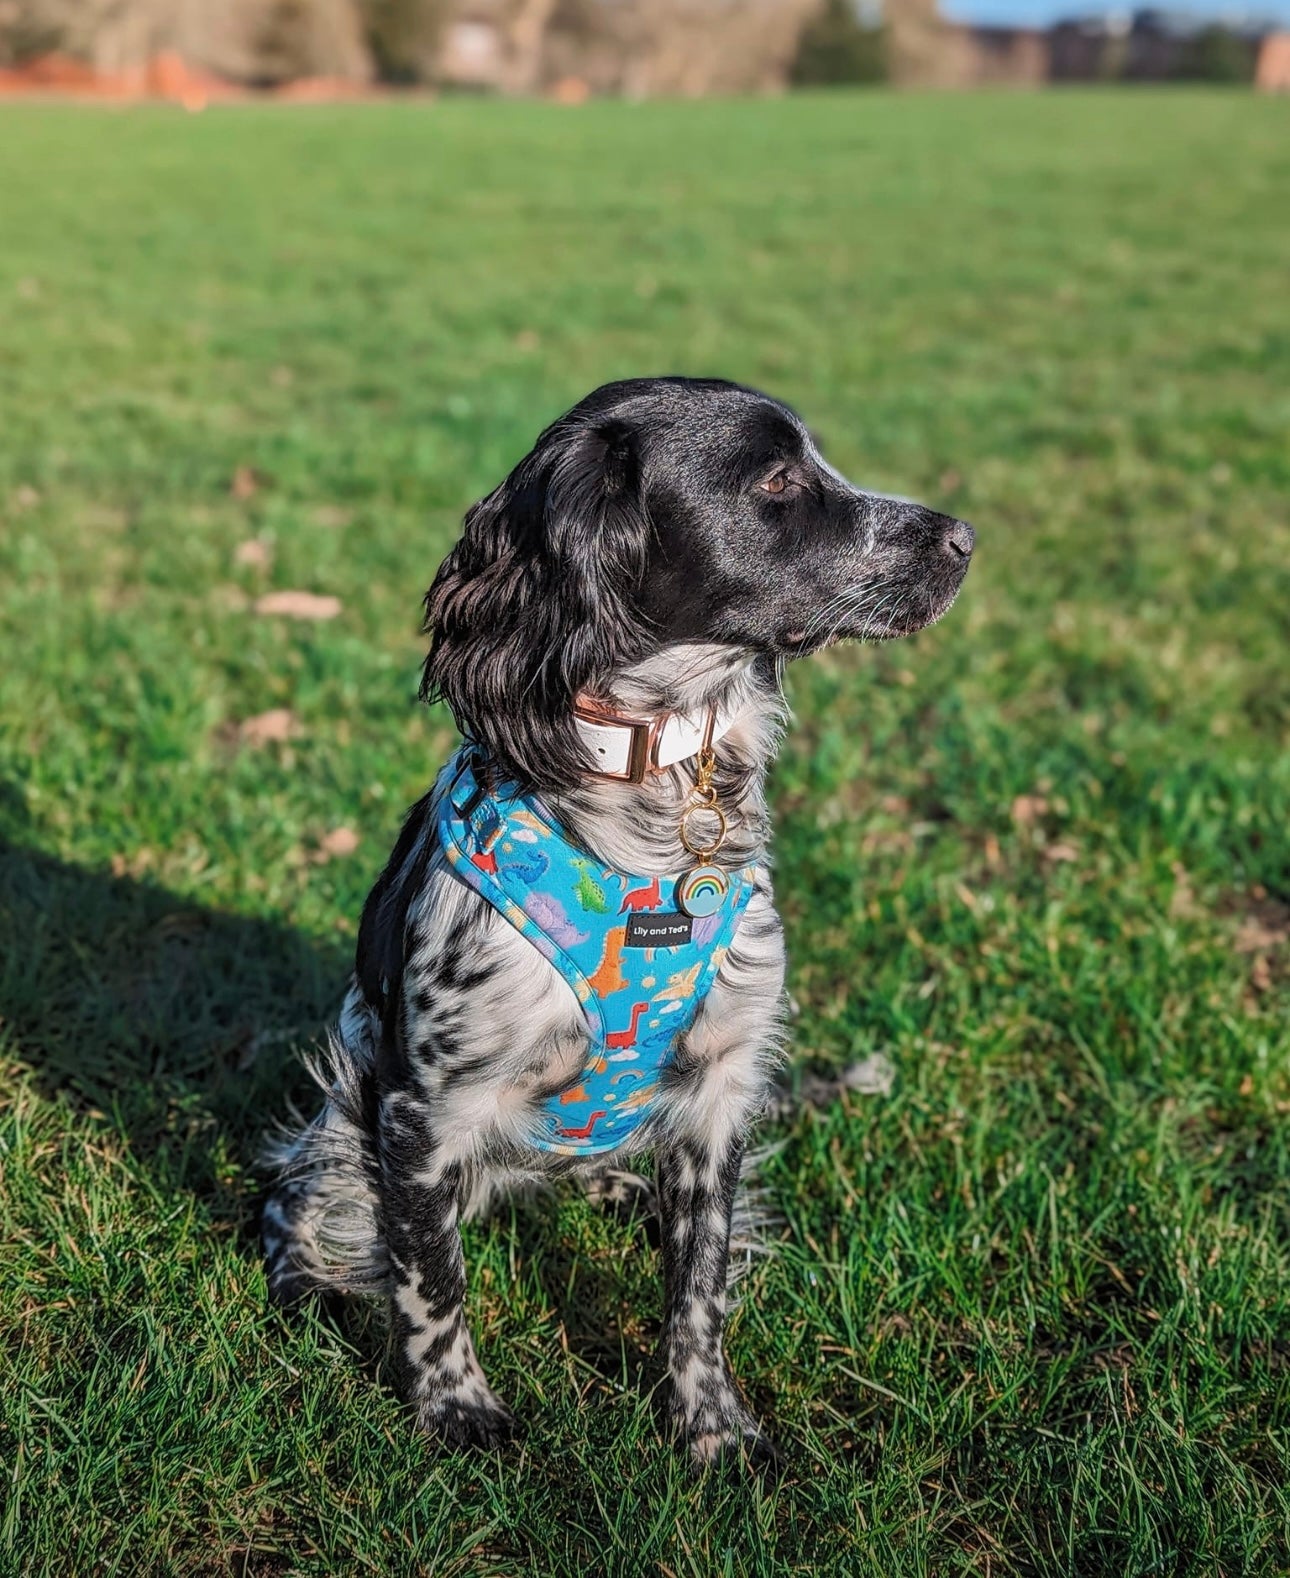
[733,1446]
[724,1434]
[478,1418]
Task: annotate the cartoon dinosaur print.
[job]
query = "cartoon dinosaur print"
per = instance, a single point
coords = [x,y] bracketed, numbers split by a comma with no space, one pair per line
[584,1132]
[681,984]
[640,1097]
[548,914]
[608,975]
[589,892]
[526,863]
[646,898]
[580,915]
[625,1038]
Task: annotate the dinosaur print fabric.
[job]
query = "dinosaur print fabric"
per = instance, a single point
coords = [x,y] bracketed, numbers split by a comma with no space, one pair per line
[639,967]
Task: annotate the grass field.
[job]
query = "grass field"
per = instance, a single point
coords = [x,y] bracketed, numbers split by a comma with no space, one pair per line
[1031,1310]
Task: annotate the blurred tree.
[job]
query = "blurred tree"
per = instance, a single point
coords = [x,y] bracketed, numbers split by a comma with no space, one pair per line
[245,40]
[404,36]
[307,38]
[24,31]
[529,22]
[110,33]
[840,45]
[1217,54]
[681,48]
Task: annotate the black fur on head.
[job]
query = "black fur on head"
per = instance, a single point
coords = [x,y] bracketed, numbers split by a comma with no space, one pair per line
[662,512]
[535,603]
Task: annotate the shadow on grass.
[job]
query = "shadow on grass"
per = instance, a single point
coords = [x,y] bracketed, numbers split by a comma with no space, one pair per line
[604,1317]
[174,1024]
[177,1027]
[607,1305]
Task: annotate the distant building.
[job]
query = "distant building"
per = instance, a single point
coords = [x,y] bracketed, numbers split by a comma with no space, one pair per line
[637,48]
[1272,69]
[1153,45]
[1090,49]
[925,50]
[1008,54]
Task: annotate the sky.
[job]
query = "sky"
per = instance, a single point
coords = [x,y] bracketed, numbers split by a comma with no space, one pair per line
[1039,13]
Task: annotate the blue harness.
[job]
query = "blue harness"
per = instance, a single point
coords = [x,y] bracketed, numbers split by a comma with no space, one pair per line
[638,965]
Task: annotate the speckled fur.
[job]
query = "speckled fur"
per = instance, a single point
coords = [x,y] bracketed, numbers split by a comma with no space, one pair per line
[666,546]
[426,1125]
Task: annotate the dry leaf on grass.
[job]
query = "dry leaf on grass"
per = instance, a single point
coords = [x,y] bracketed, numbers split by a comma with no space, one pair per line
[340,841]
[871,1076]
[133,865]
[1182,903]
[277,724]
[245,483]
[254,553]
[298,605]
[1027,808]
[1266,925]
[1058,852]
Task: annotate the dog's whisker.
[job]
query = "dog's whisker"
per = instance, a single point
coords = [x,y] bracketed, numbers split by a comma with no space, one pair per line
[849,603]
[853,612]
[838,600]
[873,614]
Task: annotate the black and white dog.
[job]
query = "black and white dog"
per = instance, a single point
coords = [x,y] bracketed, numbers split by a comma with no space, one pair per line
[618,610]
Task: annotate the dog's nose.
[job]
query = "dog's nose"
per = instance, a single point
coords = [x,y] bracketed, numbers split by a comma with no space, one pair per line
[959,540]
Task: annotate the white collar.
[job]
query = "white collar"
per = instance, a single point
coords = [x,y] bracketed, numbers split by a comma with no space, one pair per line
[630,748]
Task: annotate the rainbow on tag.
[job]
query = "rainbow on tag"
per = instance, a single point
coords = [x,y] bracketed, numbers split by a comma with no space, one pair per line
[702,891]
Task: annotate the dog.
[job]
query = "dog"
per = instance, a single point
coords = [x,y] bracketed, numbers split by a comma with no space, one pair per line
[532,997]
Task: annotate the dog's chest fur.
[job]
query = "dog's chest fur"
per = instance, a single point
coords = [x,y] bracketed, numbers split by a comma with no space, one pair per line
[479,1028]
[489,1028]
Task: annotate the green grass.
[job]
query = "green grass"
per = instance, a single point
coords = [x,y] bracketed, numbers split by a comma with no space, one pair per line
[1031,1312]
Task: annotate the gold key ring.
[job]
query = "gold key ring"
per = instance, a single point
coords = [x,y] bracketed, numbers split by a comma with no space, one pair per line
[705,851]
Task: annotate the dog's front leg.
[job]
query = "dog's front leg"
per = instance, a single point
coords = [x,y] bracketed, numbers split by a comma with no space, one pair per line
[696,1192]
[439,1374]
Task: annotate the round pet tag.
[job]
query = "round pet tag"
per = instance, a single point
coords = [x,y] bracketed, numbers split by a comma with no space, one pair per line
[701,891]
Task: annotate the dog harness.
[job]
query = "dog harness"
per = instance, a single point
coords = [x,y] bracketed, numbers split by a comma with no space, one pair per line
[639,966]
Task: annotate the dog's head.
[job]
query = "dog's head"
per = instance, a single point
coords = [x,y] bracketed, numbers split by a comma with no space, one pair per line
[662,511]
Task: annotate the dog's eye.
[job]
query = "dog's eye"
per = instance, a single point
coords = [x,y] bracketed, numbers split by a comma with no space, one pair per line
[777,483]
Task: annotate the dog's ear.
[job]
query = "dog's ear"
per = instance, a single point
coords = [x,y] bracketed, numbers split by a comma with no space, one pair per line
[534,604]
